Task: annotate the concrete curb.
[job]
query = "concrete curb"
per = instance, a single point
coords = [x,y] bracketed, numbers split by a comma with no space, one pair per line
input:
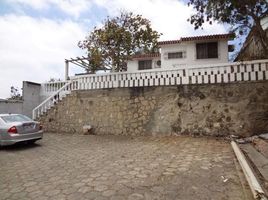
[255,187]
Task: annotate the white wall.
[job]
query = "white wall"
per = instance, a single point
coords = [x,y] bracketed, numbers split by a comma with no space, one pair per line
[31,97]
[190,59]
[180,62]
[132,65]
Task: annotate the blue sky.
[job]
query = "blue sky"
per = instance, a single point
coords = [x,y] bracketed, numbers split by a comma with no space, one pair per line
[37,35]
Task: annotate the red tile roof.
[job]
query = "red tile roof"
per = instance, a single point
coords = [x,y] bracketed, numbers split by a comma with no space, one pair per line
[169,42]
[196,38]
[151,55]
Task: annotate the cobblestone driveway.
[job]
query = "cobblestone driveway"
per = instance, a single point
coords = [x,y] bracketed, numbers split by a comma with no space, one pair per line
[109,167]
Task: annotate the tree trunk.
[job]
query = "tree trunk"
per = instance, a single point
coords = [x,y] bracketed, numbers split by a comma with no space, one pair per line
[262,35]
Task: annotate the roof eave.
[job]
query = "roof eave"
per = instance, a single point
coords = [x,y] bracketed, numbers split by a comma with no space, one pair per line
[228,36]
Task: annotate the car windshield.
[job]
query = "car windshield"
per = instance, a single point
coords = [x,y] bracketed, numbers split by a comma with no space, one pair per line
[15,118]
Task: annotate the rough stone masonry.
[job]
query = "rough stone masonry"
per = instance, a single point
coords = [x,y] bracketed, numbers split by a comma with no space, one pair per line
[211,109]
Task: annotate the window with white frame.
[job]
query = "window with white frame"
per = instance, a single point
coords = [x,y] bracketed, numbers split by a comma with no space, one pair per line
[176,55]
[207,50]
[145,64]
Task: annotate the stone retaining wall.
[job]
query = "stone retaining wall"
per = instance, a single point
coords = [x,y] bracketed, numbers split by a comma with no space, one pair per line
[218,110]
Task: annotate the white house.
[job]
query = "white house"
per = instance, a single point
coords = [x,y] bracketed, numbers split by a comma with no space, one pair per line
[185,52]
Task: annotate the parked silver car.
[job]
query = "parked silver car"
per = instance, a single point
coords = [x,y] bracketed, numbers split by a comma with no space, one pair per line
[16,128]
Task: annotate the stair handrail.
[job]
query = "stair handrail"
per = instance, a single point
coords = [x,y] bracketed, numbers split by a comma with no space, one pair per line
[50,98]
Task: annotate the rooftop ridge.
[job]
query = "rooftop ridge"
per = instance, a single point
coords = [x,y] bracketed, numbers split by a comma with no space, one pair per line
[194,38]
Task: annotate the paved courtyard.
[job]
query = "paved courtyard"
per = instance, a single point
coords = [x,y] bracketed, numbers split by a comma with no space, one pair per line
[108,167]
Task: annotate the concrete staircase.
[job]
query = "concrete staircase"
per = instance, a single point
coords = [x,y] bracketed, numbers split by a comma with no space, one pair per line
[53,100]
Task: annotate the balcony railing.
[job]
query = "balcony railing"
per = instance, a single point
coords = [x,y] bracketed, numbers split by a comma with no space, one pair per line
[207,74]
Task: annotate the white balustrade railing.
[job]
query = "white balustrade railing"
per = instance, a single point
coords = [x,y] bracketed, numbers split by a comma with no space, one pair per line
[54,99]
[256,70]
[47,89]
[207,74]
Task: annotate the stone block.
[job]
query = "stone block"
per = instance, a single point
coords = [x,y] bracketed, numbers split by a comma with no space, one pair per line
[87,129]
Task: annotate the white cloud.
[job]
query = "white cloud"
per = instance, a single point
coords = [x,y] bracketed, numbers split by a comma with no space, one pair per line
[36,4]
[167,16]
[35,49]
[71,7]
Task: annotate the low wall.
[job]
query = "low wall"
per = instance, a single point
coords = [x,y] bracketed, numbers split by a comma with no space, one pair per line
[11,106]
[218,110]
[31,97]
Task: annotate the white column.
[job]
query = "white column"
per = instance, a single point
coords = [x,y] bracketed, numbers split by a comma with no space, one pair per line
[66,70]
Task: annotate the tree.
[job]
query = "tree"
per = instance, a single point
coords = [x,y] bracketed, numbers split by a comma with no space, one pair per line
[120,37]
[242,15]
[14,94]
[53,80]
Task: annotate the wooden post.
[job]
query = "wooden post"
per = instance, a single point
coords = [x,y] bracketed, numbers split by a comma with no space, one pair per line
[66,70]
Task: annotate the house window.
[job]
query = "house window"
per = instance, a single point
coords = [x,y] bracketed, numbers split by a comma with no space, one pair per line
[207,50]
[145,64]
[175,55]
